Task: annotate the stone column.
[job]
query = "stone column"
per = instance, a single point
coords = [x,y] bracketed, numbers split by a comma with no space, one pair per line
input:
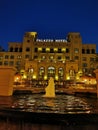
[6,80]
[96,72]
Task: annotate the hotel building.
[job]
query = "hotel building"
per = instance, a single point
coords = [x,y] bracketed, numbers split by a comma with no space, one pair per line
[40,59]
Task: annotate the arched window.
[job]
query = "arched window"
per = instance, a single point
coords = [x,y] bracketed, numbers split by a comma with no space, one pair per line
[51,71]
[88,51]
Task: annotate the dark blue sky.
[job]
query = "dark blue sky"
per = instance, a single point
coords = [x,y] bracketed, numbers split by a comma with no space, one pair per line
[50,18]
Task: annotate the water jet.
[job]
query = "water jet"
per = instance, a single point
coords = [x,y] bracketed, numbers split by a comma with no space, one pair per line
[50,89]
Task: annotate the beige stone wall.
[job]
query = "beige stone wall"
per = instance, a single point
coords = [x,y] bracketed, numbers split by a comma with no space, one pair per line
[6,80]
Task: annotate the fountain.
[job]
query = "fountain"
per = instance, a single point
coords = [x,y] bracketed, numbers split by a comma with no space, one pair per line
[50,89]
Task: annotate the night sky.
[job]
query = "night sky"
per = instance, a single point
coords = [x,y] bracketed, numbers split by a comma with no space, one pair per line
[52,19]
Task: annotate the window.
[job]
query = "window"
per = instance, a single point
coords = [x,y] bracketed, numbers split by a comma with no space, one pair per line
[67,50]
[51,57]
[19,57]
[35,57]
[6,56]
[41,71]
[60,71]
[84,58]
[67,58]
[16,49]
[0,63]
[43,50]
[26,56]
[84,64]
[5,62]
[18,62]
[43,57]
[76,57]
[51,50]
[11,63]
[1,57]
[35,49]
[20,49]
[92,59]
[88,51]
[93,51]
[59,57]
[76,50]
[83,51]
[59,50]
[27,49]
[12,57]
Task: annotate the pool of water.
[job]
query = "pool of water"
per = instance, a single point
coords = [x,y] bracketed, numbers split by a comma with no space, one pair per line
[64,104]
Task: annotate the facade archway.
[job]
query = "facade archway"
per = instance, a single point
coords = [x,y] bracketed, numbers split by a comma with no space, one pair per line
[41,72]
[60,73]
[51,72]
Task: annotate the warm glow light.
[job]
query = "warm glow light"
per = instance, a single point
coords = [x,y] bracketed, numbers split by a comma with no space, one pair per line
[56,77]
[55,49]
[24,76]
[33,33]
[39,49]
[34,76]
[47,49]
[68,78]
[45,77]
[16,79]
[77,78]
[63,49]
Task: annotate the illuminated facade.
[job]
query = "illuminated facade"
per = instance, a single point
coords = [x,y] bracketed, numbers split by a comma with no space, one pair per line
[42,58]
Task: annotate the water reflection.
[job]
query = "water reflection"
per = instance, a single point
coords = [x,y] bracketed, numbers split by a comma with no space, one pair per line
[60,104]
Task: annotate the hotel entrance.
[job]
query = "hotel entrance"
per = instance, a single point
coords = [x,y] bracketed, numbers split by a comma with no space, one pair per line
[51,72]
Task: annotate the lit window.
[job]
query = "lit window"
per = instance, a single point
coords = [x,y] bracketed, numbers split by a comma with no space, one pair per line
[55,49]
[19,57]
[51,57]
[47,49]
[43,57]
[39,49]
[76,50]
[63,49]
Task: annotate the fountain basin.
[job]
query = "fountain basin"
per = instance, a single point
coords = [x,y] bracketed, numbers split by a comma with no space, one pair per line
[62,112]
